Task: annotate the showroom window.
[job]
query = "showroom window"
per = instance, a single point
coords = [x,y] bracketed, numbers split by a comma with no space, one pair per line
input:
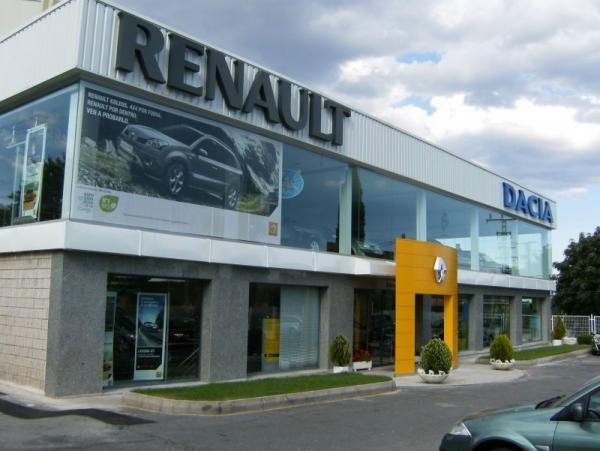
[283,328]
[496,317]
[450,222]
[311,190]
[463,321]
[33,147]
[532,319]
[152,329]
[383,209]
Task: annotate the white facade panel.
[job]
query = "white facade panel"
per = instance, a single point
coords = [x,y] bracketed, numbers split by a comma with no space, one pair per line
[366,140]
[41,50]
[51,44]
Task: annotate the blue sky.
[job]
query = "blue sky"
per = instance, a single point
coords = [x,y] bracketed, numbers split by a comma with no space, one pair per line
[510,85]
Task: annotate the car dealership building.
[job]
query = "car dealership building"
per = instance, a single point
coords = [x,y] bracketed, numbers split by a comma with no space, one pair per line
[173,212]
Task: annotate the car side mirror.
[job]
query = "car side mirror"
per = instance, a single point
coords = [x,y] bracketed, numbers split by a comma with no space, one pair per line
[200,152]
[576,412]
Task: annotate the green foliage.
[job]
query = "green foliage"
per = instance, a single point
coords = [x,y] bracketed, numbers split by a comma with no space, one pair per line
[263,387]
[578,281]
[502,348]
[585,339]
[436,356]
[339,351]
[560,330]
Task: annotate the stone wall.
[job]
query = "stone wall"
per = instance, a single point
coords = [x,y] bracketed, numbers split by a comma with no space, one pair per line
[24,305]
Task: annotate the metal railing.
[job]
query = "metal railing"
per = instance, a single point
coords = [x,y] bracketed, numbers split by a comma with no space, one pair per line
[578,325]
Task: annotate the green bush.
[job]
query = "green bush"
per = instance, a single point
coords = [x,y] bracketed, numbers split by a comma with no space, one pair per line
[436,356]
[585,339]
[502,348]
[560,330]
[339,351]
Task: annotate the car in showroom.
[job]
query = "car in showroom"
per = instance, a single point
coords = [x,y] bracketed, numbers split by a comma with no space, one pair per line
[182,157]
[562,423]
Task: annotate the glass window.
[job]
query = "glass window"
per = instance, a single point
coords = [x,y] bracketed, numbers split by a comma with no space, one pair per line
[463,321]
[311,193]
[449,222]
[383,209]
[283,328]
[532,319]
[534,250]
[496,317]
[33,144]
[152,329]
[497,243]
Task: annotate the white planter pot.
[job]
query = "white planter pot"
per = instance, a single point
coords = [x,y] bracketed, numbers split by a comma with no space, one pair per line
[569,341]
[556,342]
[502,365]
[357,366]
[431,377]
[341,369]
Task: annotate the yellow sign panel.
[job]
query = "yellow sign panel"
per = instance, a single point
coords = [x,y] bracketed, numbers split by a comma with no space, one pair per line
[271,340]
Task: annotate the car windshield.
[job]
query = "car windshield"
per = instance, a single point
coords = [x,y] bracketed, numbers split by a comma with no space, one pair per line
[561,401]
[183,134]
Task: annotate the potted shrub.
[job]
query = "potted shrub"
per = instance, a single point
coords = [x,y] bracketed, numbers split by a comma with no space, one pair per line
[559,332]
[436,361]
[361,360]
[502,353]
[339,354]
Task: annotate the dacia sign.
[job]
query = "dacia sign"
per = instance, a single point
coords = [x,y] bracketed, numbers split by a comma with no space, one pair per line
[182,56]
[532,205]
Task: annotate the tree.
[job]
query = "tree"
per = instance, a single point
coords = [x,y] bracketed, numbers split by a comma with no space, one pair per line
[578,281]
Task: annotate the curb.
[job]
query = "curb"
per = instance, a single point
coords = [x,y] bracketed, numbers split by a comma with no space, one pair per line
[181,407]
[552,358]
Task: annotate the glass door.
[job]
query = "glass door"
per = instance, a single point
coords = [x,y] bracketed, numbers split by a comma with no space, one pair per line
[375,324]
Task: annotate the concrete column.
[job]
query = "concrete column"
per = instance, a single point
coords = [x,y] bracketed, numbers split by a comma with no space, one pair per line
[224,342]
[337,317]
[75,326]
[474,230]
[421,215]
[546,314]
[476,322]
[516,319]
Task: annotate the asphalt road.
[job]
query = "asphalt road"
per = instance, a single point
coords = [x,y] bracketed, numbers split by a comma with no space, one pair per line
[410,419]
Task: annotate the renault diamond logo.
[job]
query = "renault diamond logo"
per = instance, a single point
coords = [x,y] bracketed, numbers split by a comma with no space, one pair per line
[440,270]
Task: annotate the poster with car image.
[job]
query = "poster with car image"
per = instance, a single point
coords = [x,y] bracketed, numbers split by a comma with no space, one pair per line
[150,336]
[141,164]
[33,172]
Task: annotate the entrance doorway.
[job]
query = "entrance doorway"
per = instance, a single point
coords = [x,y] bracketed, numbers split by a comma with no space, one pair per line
[152,329]
[429,319]
[375,324]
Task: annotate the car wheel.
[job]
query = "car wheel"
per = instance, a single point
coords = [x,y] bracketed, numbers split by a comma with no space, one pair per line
[232,194]
[175,179]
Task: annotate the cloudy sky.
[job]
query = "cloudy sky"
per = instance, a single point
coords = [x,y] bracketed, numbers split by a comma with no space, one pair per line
[513,85]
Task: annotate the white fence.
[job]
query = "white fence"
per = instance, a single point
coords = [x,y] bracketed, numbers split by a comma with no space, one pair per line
[579,324]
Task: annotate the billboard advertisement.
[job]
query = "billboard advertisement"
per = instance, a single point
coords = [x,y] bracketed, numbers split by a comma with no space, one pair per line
[148,166]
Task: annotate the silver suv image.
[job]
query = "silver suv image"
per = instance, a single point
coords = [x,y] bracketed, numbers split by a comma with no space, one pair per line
[182,157]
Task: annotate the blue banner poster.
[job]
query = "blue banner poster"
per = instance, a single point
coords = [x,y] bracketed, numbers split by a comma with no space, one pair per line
[150,336]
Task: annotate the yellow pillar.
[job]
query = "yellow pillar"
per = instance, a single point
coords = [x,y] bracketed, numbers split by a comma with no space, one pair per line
[415,261]
[451,325]
[404,355]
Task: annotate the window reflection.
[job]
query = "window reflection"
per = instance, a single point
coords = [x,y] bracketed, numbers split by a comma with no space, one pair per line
[311,200]
[33,141]
[383,209]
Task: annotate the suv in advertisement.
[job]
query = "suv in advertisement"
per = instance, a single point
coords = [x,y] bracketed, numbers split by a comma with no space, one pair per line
[182,157]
